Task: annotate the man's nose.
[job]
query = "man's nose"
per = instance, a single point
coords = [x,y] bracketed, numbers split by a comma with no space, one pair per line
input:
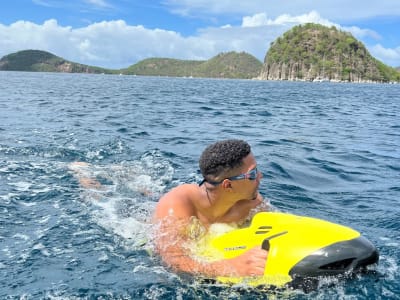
[259,175]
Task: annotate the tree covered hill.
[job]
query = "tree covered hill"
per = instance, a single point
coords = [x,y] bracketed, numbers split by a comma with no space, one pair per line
[162,67]
[42,61]
[224,65]
[315,52]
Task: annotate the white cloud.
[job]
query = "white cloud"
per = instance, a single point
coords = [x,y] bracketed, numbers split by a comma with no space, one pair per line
[115,44]
[109,44]
[76,5]
[339,10]
[260,19]
[361,33]
[43,3]
[98,3]
[389,56]
[256,20]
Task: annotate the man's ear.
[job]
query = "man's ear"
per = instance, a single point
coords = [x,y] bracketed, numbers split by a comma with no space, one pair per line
[226,184]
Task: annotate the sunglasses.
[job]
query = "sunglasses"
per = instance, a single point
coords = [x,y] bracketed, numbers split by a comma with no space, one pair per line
[250,175]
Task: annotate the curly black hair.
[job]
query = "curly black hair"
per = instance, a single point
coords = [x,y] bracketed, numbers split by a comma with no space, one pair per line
[222,157]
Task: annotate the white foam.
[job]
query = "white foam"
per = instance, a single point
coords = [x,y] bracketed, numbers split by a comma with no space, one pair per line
[7,252]
[84,232]
[123,205]
[94,154]
[6,199]
[392,244]
[21,236]
[28,204]
[389,242]
[128,228]
[41,248]
[59,251]
[103,258]
[21,186]
[44,219]
[42,189]
[391,267]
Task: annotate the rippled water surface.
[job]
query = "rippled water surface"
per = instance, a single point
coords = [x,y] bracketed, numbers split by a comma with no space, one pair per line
[326,150]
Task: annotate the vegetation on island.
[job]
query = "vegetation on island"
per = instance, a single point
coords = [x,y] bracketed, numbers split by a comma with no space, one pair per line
[308,52]
[162,67]
[315,52]
[42,61]
[224,65]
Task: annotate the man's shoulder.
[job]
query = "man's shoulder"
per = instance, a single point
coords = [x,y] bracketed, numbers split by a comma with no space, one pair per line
[186,190]
[179,199]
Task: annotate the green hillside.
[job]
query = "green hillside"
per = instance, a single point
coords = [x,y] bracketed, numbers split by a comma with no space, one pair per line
[224,65]
[42,61]
[162,67]
[230,65]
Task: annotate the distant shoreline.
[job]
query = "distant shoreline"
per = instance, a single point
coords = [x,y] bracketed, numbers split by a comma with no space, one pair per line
[214,78]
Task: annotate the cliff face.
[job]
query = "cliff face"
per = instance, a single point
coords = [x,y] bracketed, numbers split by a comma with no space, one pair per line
[314,52]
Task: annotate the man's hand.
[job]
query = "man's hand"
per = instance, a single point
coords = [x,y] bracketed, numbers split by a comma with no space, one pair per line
[250,263]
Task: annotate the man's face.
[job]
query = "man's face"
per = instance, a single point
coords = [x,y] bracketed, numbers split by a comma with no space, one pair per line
[247,187]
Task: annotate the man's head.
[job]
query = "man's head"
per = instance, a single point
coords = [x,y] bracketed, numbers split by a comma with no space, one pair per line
[219,160]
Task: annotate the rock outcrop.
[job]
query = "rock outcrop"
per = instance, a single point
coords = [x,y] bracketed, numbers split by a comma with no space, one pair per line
[313,52]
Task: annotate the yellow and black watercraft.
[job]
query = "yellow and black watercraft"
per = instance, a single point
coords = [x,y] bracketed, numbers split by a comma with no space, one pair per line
[298,246]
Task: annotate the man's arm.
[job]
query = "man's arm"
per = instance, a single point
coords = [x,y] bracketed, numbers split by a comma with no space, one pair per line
[173,216]
[172,245]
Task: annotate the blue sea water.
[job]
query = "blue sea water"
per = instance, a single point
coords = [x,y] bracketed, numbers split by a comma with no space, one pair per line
[327,150]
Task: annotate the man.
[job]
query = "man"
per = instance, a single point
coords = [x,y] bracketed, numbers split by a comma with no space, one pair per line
[227,194]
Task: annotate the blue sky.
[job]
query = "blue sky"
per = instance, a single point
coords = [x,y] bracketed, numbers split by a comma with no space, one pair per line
[119,33]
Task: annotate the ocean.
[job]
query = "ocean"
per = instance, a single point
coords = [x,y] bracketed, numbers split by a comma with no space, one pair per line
[326,150]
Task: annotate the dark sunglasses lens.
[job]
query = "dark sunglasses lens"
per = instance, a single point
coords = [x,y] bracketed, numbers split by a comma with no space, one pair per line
[253,174]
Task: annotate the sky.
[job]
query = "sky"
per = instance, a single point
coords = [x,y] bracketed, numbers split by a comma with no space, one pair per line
[118,33]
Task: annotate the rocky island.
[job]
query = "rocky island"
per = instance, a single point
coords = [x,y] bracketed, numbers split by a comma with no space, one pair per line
[313,52]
